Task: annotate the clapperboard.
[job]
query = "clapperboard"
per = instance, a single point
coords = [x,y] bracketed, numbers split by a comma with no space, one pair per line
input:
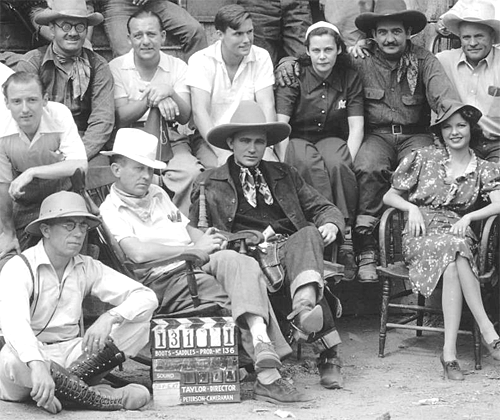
[195,361]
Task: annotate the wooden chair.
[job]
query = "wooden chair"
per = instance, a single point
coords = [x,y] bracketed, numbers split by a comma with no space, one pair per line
[393,270]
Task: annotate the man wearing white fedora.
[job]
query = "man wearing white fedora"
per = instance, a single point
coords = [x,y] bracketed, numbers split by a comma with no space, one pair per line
[474,70]
[41,295]
[74,75]
[149,227]
[248,192]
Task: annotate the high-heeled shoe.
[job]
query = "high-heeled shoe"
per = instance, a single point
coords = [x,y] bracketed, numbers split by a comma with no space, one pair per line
[493,348]
[452,370]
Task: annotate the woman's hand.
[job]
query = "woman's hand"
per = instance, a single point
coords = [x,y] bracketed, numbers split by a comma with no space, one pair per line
[416,223]
[460,227]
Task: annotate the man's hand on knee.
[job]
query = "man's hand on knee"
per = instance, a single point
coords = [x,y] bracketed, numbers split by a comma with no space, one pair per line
[328,232]
[43,384]
[97,335]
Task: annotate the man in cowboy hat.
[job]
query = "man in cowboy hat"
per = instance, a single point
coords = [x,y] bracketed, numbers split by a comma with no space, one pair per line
[39,149]
[146,77]
[75,76]
[402,83]
[475,70]
[41,294]
[248,192]
[149,227]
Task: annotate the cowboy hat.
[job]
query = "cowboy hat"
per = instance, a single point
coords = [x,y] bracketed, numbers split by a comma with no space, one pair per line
[395,10]
[248,115]
[62,204]
[449,107]
[481,12]
[68,9]
[137,145]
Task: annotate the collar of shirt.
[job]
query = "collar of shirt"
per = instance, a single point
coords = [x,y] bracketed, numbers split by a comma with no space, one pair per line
[312,81]
[445,162]
[129,62]
[47,125]
[50,55]
[40,258]
[215,51]
[488,60]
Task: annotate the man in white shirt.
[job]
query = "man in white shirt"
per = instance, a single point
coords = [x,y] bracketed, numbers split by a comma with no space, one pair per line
[226,73]
[145,77]
[39,149]
[41,295]
[474,70]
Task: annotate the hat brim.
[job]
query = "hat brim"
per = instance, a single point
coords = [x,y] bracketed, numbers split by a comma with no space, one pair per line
[49,15]
[413,18]
[453,21]
[276,132]
[155,164]
[475,116]
[34,227]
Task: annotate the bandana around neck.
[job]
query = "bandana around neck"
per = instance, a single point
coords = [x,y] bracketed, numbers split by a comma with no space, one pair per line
[142,206]
[408,64]
[79,74]
[248,184]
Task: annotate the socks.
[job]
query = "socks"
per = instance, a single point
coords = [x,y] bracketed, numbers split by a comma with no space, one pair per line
[268,376]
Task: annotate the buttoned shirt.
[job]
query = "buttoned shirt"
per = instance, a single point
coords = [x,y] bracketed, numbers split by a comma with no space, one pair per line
[94,114]
[319,108]
[56,307]
[171,71]
[388,101]
[207,71]
[164,223]
[478,86]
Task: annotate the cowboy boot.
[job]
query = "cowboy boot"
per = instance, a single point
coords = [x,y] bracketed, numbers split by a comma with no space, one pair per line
[367,257]
[100,397]
[329,367]
[95,366]
[306,315]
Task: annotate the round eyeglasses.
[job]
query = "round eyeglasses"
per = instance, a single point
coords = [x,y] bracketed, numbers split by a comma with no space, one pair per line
[70,226]
[66,27]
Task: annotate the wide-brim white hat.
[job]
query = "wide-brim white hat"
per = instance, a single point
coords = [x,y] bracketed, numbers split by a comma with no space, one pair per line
[137,145]
[68,9]
[248,115]
[62,204]
[481,12]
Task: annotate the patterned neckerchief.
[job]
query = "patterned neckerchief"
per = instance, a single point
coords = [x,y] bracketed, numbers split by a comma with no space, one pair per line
[79,74]
[248,182]
[408,64]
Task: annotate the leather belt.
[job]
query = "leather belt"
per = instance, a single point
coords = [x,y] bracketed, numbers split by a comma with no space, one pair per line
[398,129]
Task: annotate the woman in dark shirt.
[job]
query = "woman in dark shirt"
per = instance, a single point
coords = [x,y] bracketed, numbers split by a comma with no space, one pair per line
[325,110]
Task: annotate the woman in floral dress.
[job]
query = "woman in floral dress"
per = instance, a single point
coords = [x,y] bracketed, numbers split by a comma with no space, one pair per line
[438,187]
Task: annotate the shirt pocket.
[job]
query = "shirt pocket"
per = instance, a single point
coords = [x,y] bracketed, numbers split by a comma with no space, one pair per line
[494,96]
[374,94]
[373,97]
[412,100]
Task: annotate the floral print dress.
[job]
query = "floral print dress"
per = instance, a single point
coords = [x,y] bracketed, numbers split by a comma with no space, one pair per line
[442,200]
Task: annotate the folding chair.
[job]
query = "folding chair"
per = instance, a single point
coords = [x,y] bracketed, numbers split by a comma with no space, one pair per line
[393,270]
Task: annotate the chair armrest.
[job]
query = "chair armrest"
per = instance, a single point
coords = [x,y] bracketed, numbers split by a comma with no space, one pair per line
[385,222]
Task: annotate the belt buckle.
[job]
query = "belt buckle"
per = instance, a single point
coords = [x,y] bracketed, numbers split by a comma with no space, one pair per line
[397,129]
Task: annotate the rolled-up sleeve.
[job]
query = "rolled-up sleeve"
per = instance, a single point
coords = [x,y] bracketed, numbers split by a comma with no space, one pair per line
[71,145]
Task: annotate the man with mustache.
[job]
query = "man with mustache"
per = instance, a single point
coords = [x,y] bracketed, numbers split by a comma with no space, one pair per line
[74,75]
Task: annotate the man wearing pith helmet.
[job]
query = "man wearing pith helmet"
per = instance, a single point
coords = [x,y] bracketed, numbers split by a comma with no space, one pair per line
[41,292]
[248,192]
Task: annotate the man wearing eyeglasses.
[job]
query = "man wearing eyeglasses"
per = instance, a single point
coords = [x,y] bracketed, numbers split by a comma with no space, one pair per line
[39,149]
[75,76]
[41,294]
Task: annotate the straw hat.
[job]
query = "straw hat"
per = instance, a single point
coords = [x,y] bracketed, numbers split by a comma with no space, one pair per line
[393,9]
[248,115]
[137,145]
[481,12]
[62,204]
[68,9]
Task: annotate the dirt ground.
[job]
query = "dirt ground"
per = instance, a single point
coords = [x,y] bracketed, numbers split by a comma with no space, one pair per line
[407,384]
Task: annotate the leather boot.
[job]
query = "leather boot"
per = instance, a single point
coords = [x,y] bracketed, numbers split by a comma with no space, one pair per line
[329,367]
[95,366]
[306,315]
[100,397]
